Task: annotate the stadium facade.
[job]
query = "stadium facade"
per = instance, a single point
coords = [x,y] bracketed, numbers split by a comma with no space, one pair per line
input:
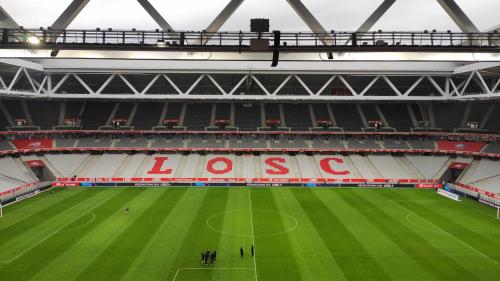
[165,107]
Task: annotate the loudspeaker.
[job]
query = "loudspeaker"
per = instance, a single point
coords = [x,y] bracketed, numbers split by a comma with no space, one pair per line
[259,25]
[248,83]
[276,51]
[276,58]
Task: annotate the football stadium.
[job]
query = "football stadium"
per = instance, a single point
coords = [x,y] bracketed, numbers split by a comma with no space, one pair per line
[233,140]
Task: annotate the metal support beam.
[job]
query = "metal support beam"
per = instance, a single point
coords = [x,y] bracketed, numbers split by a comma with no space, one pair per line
[6,21]
[221,18]
[458,16]
[22,63]
[308,19]
[69,14]
[155,15]
[376,15]
[476,66]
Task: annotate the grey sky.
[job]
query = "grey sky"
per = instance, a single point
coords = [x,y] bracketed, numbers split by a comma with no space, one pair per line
[345,15]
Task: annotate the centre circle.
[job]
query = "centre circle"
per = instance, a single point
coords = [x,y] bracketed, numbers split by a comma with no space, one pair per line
[254,223]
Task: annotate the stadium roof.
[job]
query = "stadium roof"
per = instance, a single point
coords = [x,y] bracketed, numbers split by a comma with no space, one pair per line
[190,15]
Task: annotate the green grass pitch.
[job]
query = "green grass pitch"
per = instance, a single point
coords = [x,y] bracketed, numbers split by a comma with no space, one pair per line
[299,234]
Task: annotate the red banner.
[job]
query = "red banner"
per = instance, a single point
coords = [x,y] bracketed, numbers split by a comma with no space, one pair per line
[458,165]
[33,143]
[460,145]
[35,163]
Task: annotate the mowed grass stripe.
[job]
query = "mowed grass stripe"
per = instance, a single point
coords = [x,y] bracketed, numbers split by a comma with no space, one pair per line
[236,220]
[16,239]
[114,262]
[476,217]
[354,260]
[156,260]
[274,254]
[56,245]
[392,259]
[417,245]
[74,260]
[486,246]
[200,237]
[18,211]
[312,255]
[15,218]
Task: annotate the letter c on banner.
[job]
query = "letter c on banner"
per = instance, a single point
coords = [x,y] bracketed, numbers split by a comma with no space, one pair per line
[325,166]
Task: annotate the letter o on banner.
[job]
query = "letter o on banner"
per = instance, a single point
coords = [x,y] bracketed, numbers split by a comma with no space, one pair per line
[325,166]
[211,165]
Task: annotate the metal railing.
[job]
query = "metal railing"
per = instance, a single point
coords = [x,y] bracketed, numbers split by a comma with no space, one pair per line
[47,38]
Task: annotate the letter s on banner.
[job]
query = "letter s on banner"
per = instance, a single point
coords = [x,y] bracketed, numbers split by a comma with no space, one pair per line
[277,168]
[211,163]
[325,166]
[156,170]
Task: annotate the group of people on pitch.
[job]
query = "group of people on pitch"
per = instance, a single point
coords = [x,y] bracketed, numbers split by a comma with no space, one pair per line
[208,256]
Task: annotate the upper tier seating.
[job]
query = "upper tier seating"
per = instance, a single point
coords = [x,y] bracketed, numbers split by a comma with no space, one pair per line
[47,114]
[493,147]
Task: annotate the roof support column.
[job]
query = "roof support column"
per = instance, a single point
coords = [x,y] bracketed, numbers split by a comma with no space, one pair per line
[155,15]
[221,18]
[458,16]
[6,21]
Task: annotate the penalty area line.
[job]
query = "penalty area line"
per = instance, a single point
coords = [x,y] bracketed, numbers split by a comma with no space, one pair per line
[449,234]
[209,268]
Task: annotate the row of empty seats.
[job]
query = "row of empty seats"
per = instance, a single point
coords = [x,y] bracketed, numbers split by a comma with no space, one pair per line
[92,115]
[14,173]
[247,141]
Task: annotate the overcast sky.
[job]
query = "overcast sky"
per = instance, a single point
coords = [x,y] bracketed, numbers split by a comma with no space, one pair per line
[345,15]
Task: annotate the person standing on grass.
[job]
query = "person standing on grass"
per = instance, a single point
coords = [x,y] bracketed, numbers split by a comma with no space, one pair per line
[241,252]
[126,210]
[202,257]
[252,251]
[207,254]
[214,254]
[212,258]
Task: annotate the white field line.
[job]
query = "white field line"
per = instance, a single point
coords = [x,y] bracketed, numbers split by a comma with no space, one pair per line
[449,234]
[42,240]
[208,268]
[253,236]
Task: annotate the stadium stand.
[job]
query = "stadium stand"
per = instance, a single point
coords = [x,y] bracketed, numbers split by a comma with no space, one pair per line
[427,166]
[297,117]
[247,117]
[481,170]
[449,117]
[397,116]
[44,114]
[493,122]
[147,115]
[347,117]
[96,114]
[14,173]
[493,147]
[198,116]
